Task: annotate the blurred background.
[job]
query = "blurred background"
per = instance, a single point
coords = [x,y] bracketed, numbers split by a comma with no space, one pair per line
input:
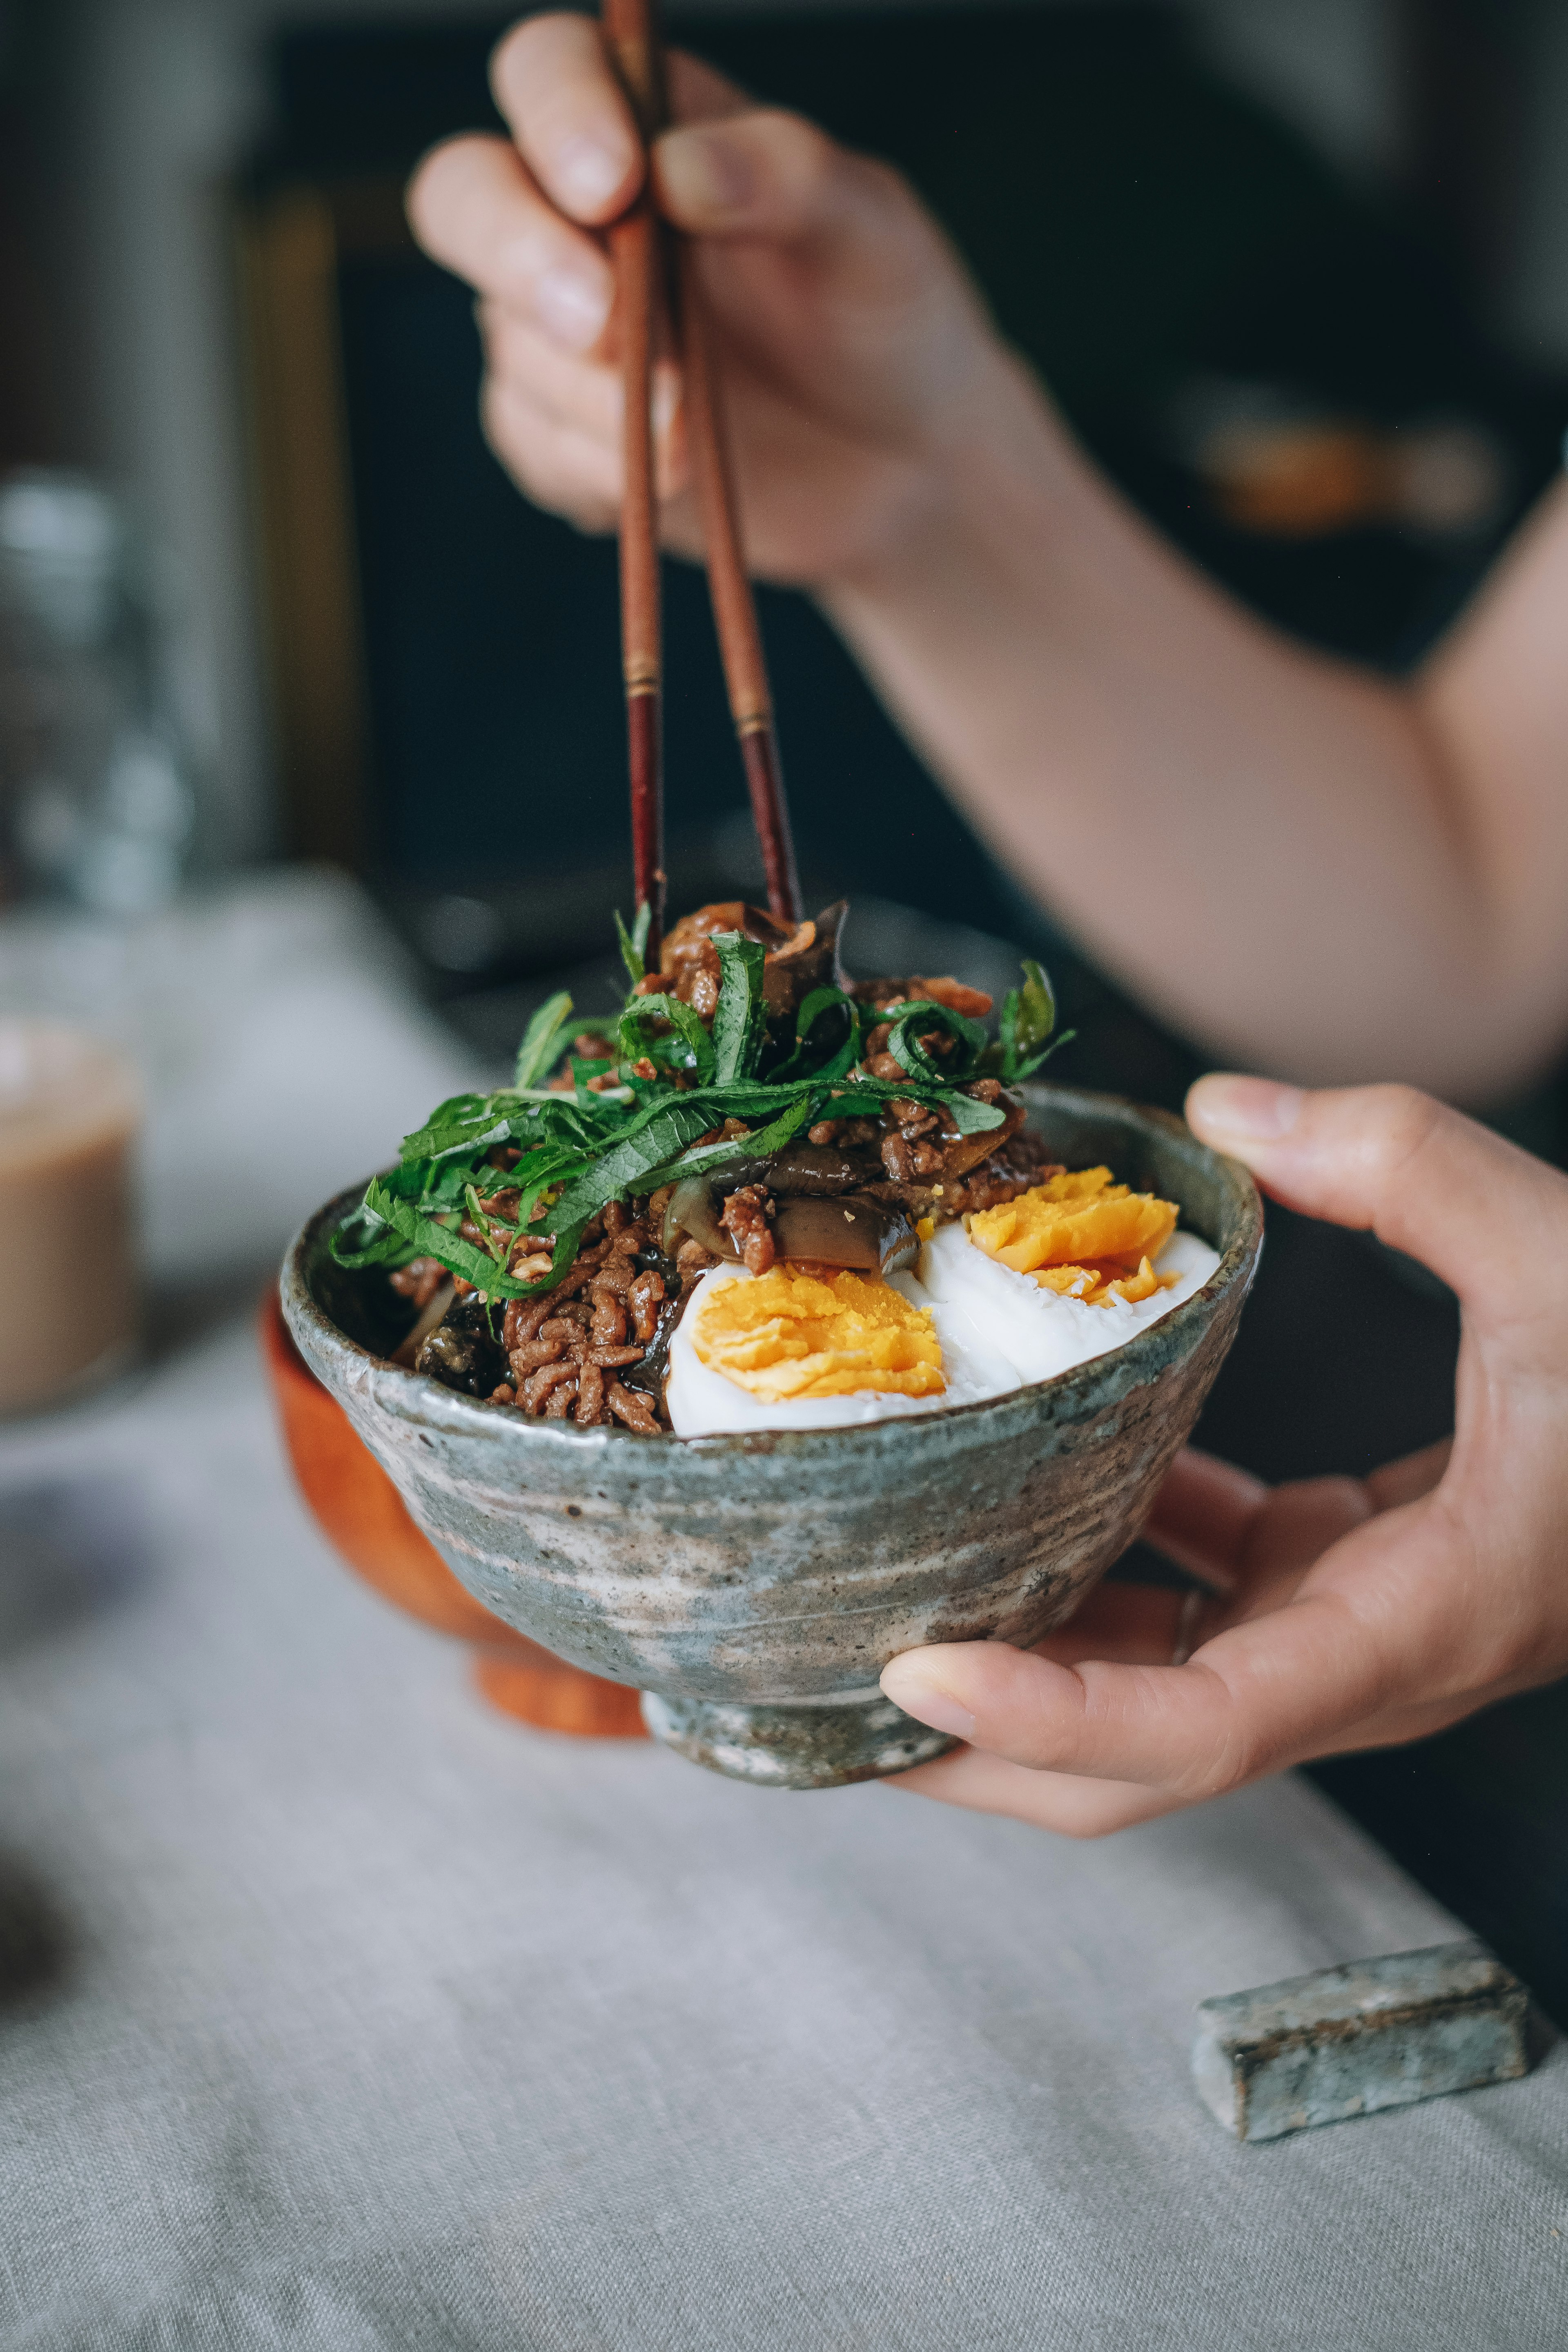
[1297,273]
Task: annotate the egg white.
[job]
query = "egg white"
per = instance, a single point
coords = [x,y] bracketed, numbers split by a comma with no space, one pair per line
[998,1331]
[703,1403]
[1042,1332]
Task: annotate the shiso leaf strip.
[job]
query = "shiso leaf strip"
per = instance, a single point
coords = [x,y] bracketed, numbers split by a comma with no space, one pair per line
[634,943]
[636,1044]
[921,1015]
[740,1017]
[758,1143]
[839,1065]
[541,1040]
[579,1150]
[1028,1018]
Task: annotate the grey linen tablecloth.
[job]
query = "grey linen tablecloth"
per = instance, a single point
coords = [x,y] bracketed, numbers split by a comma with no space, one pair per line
[338,2012]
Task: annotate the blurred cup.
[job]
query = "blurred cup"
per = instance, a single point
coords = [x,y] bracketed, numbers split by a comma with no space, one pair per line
[70,1111]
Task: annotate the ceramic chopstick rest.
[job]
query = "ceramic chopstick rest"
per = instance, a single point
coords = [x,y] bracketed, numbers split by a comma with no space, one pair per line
[1348,2041]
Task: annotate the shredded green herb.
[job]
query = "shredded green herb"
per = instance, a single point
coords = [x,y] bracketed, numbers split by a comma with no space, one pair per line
[581,1149]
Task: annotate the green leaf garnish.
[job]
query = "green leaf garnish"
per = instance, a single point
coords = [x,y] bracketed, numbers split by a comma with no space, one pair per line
[919,1016]
[568,1154]
[636,1044]
[740,1021]
[634,943]
[757,1143]
[1028,1018]
[541,1040]
[838,1065]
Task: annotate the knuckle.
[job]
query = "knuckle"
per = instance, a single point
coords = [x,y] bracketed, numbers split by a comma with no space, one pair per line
[803,156]
[1403,1121]
[440,180]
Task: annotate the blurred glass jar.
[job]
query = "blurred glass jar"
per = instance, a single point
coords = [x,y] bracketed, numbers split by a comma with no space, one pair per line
[96,806]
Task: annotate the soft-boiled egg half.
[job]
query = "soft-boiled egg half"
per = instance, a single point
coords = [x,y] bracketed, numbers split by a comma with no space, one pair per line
[1015,1296]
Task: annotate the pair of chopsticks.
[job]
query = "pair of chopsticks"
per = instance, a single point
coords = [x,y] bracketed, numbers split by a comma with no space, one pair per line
[639,252]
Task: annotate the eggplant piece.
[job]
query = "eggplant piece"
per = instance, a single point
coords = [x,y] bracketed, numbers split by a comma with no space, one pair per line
[463,1352]
[808,960]
[693,1209]
[817,1169]
[841,1228]
[961,1153]
[851,1230]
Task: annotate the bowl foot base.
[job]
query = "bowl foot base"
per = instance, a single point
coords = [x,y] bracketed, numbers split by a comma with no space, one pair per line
[822,1746]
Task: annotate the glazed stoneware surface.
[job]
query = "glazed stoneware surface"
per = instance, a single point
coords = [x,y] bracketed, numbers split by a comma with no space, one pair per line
[753,1587]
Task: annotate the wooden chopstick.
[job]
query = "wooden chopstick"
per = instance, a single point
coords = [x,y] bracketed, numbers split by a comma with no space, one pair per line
[636,245]
[734,607]
[636,258]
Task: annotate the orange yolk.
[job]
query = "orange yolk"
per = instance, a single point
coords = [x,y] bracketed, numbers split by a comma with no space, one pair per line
[1080,1234]
[789,1334]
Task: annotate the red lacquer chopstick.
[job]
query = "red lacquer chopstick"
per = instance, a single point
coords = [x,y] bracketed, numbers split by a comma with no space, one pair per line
[636,247]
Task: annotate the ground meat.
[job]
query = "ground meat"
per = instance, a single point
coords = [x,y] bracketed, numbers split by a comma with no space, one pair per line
[1021,1163]
[419,1280]
[899,1159]
[905,1159]
[692,1261]
[973,1003]
[843,1134]
[643,1300]
[561,1348]
[745,1220]
[636,1410]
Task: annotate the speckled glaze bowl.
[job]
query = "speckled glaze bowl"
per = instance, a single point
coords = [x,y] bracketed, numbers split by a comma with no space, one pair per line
[753,1587]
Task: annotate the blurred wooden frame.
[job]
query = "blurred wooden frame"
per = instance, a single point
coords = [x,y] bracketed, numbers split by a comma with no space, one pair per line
[292,243]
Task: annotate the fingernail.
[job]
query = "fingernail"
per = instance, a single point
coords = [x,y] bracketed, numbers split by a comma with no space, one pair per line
[702,172]
[572,306]
[1251,1110]
[586,173]
[910,1684]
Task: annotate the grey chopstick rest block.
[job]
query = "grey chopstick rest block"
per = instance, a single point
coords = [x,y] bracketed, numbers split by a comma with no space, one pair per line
[1347,2041]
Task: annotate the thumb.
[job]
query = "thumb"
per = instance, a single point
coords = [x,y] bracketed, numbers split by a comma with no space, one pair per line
[1488,1219]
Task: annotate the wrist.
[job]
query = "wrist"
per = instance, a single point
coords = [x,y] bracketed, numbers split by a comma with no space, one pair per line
[993,483]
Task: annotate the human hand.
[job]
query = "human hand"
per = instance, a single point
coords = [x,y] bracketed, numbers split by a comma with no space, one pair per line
[1346,1613]
[852,346]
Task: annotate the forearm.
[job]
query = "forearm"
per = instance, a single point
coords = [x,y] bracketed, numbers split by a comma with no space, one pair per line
[1270,846]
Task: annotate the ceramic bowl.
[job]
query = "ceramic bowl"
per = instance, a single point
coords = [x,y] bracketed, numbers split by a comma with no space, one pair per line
[753,1587]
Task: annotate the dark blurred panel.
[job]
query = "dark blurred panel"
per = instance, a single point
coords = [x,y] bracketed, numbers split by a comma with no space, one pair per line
[29,433]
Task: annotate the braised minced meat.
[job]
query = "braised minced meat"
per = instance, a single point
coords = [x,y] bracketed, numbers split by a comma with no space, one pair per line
[592,1349]
[566,1351]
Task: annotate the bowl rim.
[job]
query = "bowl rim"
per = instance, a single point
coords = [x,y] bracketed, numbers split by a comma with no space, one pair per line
[423,1402]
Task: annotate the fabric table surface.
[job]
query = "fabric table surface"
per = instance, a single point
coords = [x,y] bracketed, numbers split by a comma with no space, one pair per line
[338,2012]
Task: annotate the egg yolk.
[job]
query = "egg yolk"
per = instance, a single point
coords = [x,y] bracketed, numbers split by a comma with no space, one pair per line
[789,1334]
[1082,1235]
